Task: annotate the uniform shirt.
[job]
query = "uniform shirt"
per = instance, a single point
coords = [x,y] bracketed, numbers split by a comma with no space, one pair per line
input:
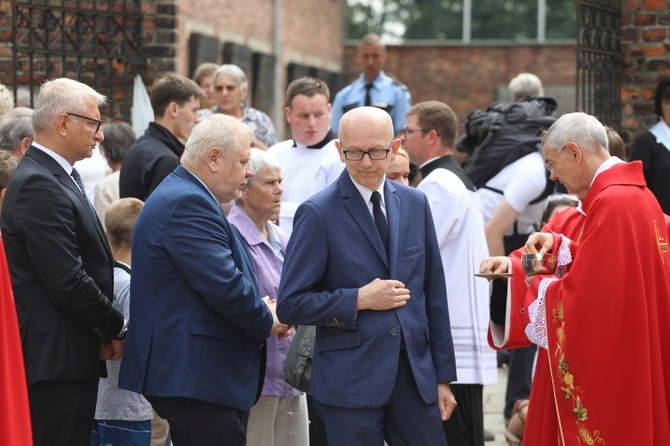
[386,93]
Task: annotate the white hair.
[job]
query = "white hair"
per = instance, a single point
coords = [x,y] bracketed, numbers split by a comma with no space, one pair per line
[580,128]
[525,84]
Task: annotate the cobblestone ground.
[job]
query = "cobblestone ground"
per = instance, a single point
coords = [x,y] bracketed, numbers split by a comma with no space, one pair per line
[494,401]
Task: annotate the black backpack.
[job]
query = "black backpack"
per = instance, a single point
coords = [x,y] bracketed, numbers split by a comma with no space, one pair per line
[503,134]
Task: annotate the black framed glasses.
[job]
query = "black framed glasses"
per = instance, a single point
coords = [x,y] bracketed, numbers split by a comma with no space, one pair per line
[97,121]
[374,154]
[549,163]
[408,131]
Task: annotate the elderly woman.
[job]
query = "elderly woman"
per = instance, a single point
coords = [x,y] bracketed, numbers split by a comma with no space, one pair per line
[653,147]
[230,89]
[280,415]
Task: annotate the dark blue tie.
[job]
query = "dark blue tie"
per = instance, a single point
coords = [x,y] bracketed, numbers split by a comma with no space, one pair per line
[380,219]
[77,179]
[368,100]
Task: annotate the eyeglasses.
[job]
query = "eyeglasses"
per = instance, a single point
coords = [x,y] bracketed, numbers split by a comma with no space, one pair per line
[374,154]
[549,163]
[408,131]
[97,121]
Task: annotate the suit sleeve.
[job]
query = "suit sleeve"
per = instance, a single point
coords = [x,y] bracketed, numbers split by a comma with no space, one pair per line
[202,252]
[303,299]
[56,246]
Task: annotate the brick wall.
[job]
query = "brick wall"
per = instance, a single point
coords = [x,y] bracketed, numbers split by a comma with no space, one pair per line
[472,76]
[645,35]
[312,31]
[106,72]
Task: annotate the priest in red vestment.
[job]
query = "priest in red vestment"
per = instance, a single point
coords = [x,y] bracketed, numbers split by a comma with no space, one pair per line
[15,427]
[603,372]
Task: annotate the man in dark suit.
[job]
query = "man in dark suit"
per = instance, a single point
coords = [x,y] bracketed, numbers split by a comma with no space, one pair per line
[363,265]
[195,346]
[61,267]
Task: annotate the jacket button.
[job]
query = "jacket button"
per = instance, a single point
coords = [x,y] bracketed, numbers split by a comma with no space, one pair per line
[522,310]
[394,332]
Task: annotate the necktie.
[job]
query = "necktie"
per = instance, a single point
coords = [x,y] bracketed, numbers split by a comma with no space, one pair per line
[368,100]
[380,219]
[77,179]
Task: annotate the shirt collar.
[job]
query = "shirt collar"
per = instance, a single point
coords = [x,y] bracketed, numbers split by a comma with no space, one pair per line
[204,185]
[611,162]
[367,193]
[65,164]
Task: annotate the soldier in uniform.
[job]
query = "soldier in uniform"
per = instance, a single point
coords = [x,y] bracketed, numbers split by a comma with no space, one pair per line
[372,87]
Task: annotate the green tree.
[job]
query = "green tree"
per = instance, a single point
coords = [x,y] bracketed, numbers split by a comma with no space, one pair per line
[442,19]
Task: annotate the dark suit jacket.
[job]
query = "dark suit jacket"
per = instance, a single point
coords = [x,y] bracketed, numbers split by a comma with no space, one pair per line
[334,250]
[61,269]
[197,323]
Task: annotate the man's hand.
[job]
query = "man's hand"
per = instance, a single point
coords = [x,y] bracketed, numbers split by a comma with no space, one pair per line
[382,295]
[499,264]
[446,400]
[539,243]
[278,328]
[111,351]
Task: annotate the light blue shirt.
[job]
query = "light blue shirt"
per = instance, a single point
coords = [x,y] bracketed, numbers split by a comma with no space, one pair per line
[386,93]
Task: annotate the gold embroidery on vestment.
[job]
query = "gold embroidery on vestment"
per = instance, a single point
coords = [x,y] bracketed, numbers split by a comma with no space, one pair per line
[568,388]
[662,242]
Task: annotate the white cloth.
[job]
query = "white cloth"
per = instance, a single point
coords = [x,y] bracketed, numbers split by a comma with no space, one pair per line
[305,172]
[662,133]
[106,193]
[460,233]
[521,182]
[92,170]
[141,112]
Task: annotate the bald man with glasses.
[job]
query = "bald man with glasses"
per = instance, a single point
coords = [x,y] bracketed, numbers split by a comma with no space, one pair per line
[363,265]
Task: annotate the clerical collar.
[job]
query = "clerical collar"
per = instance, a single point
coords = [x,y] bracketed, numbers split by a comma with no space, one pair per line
[331,135]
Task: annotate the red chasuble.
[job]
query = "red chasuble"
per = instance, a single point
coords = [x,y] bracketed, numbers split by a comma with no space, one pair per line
[15,427]
[605,378]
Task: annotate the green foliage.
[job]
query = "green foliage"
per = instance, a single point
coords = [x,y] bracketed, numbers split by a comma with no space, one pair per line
[442,19]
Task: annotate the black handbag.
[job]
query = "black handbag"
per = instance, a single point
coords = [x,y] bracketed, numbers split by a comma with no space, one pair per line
[298,366]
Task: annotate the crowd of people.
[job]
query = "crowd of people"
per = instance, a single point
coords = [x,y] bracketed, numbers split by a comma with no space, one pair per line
[160,303]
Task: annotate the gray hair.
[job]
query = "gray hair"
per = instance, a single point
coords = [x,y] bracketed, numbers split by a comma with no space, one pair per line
[15,125]
[525,84]
[235,73]
[58,96]
[260,159]
[372,39]
[204,70]
[119,136]
[218,130]
[580,128]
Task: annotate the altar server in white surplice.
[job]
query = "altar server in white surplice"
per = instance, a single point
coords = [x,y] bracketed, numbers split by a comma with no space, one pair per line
[309,161]
[429,137]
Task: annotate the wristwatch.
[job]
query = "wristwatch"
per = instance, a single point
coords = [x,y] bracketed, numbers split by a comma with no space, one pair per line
[122,336]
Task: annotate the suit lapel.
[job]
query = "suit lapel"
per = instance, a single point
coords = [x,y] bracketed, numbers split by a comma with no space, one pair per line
[354,204]
[64,179]
[392,202]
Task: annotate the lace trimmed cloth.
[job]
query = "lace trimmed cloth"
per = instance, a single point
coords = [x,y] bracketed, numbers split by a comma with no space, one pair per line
[536,330]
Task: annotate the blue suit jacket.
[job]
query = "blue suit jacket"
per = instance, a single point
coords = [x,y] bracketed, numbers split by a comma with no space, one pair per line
[334,250]
[197,323]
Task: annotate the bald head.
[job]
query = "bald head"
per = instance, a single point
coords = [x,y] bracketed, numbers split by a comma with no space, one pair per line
[366,145]
[372,121]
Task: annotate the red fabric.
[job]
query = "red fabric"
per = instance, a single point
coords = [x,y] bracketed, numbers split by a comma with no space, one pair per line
[15,427]
[606,375]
